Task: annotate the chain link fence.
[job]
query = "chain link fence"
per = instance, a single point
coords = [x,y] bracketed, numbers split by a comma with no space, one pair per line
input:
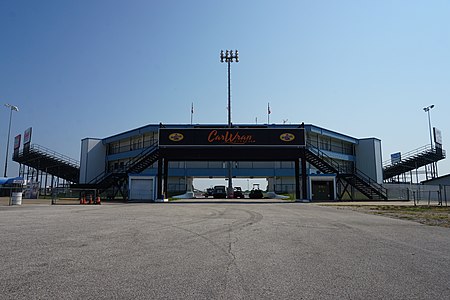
[56,196]
[420,194]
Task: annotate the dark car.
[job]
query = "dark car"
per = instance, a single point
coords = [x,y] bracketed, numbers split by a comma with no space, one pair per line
[219,192]
[238,193]
[256,194]
[209,192]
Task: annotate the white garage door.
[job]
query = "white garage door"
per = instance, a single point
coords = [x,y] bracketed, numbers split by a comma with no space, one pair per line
[141,189]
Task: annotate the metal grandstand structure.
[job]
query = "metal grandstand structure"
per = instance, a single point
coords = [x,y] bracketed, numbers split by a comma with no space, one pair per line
[426,156]
[38,161]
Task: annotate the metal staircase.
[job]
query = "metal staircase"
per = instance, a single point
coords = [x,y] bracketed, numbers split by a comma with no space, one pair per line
[354,177]
[412,160]
[139,163]
[49,161]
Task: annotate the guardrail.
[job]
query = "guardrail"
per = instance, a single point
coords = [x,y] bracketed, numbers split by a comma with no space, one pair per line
[407,155]
[51,153]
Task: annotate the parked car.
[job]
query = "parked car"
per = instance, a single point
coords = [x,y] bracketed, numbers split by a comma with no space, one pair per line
[219,192]
[209,192]
[238,193]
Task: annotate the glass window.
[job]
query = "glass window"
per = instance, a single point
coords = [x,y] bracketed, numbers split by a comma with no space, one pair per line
[287,165]
[215,164]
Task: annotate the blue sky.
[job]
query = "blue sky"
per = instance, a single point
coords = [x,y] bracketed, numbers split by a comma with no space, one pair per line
[83,68]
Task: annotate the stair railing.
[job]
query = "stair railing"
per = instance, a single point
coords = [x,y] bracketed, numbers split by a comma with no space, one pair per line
[131,163]
[124,170]
[322,155]
[342,170]
[375,185]
[52,154]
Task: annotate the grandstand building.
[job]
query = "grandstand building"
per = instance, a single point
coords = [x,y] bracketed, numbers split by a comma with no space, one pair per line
[305,160]
[159,161]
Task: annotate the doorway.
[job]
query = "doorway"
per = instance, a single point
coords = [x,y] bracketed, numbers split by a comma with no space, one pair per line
[322,190]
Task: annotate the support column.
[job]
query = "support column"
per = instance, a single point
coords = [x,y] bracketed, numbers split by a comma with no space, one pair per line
[189,184]
[159,177]
[45,184]
[297,179]
[166,171]
[304,177]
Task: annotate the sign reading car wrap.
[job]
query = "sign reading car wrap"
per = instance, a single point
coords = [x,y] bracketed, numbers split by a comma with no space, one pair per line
[231,137]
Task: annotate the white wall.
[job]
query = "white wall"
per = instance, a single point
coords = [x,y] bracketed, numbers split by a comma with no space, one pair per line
[142,188]
[369,158]
[444,180]
[92,160]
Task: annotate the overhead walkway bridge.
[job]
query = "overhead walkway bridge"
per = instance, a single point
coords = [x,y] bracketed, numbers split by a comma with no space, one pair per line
[49,161]
[413,160]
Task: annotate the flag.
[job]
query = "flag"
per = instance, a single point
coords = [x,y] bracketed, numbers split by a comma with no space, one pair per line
[192,108]
[268,109]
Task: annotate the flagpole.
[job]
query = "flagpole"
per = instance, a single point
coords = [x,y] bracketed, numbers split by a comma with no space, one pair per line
[268,113]
[192,111]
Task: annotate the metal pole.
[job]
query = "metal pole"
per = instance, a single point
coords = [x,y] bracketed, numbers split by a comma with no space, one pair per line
[429,126]
[229,93]
[427,110]
[7,142]
[228,57]
[230,171]
[192,111]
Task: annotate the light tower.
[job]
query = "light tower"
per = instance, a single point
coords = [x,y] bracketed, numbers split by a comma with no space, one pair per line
[12,108]
[427,110]
[229,56]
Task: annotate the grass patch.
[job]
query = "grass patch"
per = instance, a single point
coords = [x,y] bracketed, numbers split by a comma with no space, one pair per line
[429,215]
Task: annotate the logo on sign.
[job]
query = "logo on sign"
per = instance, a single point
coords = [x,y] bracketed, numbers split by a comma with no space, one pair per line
[231,138]
[176,137]
[287,137]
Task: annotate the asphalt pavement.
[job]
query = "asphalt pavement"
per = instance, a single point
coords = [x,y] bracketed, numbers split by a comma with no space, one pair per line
[263,249]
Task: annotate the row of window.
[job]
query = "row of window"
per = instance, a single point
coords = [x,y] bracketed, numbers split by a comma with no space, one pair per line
[133,143]
[120,165]
[149,138]
[330,144]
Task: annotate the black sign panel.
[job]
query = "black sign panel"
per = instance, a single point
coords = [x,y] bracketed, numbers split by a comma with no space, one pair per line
[213,137]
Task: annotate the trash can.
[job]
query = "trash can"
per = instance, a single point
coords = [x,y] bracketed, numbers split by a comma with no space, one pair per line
[16,198]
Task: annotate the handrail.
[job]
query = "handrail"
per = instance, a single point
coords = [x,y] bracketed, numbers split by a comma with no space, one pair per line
[356,171]
[405,156]
[370,180]
[144,152]
[54,154]
[128,165]
[326,158]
